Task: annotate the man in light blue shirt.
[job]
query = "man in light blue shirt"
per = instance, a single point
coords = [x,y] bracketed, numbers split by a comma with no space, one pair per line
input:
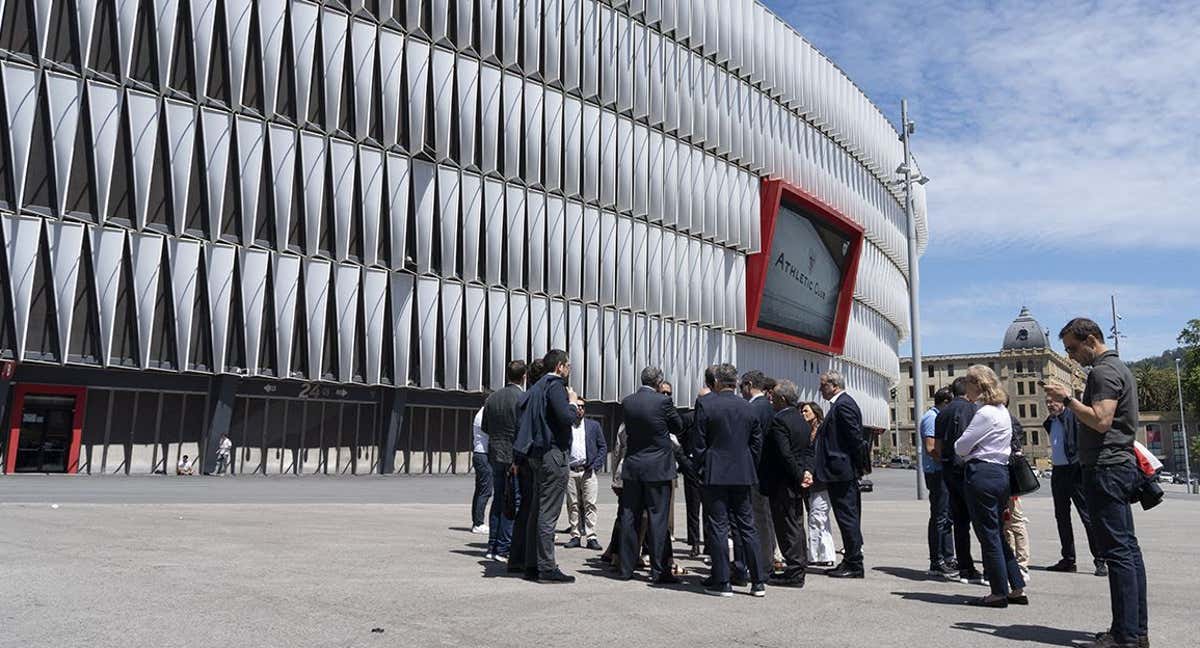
[1066,486]
[941,540]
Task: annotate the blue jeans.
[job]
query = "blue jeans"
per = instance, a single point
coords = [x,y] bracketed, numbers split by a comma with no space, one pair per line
[1107,490]
[987,497]
[483,487]
[941,540]
[501,527]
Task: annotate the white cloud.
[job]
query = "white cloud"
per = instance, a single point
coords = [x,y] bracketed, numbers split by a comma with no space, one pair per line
[1043,125]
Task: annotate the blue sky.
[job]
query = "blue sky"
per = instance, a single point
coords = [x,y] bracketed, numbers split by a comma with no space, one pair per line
[1063,146]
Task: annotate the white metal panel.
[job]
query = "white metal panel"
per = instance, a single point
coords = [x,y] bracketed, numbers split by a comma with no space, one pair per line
[427,330]
[592,152]
[654,269]
[608,258]
[285,281]
[251,142]
[534,99]
[670,274]
[514,234]
[333,45]
[625,162]
[218,128]
[510,25]
[272,18]
[237,28]
[185,275]
[489,118]
[341,159]
[609,158]
[553,147]
[304,15]
[498,336]
[591,48]
[577,346]
[66,249]
[593,326]
[391,69]
[370,178]
[539,326]
[403,296]
[312,160]
[593,242]
[512,102]
[466,103]
[448,219]
[362,42]
[638,266]
[64,95]
[641,72]
[488,10]
[624,63]
[452,335]
[535,237]
[611,345]
[417,67]
[552,38]
[640,180]
[494,221]
[573,228]
[518,324]
[624,262]
[219,266]
[572,156]
[396,199]
[443,101]
[254,266]
[627,370]
[22,241]
[424,177]
[472,209]
[555,227]
[374,299]
[439,20]
[572,44]
[181,143]
[475,316]
[108,256]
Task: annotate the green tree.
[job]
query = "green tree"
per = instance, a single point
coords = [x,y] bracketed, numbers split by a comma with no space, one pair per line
[1156,389]
[1189,339]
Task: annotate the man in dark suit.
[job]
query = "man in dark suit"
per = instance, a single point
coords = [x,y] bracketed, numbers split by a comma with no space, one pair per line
[693,492]
[755,388]
[728,446]
[784,472]
[840,454]
[543,443]
[646,474]
[949,425]
[499,423]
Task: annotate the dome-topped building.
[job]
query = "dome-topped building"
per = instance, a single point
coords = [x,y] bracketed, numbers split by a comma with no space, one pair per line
[1025,333]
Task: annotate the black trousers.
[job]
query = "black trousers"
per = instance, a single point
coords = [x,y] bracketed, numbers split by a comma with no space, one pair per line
[550,472]
[787,514]
[654,499]
[960,515]
[1108,490]
[1066,486]
[846,502]
[940,534]
[692,496]
[728,508]
[520,526]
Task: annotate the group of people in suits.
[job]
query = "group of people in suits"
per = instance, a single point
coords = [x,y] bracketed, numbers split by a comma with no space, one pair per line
[754,457]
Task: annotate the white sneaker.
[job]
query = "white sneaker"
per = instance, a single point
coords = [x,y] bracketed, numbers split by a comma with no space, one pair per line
[482,528]
[489,556]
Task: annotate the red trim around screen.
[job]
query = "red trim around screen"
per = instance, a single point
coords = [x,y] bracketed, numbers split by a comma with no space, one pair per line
[773,193]
[18,406]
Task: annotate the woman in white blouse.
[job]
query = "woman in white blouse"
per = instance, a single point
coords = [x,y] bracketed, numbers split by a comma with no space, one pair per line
[985,447]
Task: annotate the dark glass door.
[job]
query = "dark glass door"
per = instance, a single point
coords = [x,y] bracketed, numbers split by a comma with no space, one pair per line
[46,432]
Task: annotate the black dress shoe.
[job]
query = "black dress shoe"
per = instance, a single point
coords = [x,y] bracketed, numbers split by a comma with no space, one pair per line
[555,576]
[1063,565]
[988,603]
[594,545]
[694,552]
[796,582]
[846,572]
[665,579]
[1018,600]
[573,543]
[516,569]
[530,575]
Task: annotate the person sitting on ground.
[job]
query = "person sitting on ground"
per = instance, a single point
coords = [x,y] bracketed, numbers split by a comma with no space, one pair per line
[184,467]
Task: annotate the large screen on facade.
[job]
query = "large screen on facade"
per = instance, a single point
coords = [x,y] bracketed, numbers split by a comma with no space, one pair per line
[804,273]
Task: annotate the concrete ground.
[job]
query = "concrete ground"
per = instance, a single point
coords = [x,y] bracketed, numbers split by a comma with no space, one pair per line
[324,561]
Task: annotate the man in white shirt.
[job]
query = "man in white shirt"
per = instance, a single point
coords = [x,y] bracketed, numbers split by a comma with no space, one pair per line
[224,450]
[184,467]
[483,475]
[588,451]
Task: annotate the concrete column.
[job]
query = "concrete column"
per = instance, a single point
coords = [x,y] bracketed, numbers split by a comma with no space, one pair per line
[394,402]
[222,393]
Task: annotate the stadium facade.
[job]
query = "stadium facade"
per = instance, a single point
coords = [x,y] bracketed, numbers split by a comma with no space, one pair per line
[324,227]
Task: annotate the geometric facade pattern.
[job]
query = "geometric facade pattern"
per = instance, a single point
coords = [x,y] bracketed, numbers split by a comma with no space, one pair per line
[410,192]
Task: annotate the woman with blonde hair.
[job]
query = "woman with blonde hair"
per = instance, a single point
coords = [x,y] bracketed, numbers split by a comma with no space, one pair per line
[821,550]
[985,447]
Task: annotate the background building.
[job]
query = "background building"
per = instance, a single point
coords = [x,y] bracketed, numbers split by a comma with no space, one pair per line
[324,227]
[1025,357]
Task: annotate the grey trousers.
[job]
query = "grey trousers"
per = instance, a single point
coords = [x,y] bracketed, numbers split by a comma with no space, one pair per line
[549,475]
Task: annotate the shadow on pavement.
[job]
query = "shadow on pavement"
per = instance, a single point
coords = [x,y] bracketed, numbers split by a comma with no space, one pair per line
[930,597]
[908,574]
[1038,634]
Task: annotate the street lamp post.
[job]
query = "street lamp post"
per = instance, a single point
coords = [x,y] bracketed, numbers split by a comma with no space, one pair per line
[914,309]
[1187,464]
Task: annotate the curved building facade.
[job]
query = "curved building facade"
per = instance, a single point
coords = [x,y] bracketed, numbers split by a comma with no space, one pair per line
[324,227]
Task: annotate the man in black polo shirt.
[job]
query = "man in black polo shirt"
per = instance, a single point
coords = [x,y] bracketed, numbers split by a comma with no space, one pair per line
[1108,417]
[947,427]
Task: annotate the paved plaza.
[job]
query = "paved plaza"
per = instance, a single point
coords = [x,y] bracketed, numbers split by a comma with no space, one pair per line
[313,561]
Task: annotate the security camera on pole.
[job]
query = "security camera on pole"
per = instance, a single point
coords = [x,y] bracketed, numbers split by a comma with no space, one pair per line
[914,309]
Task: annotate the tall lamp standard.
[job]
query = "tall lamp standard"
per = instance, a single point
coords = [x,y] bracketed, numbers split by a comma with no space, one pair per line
[907,128]
[1187,465]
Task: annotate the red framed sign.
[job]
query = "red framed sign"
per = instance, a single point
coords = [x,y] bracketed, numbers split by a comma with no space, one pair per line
[800,285]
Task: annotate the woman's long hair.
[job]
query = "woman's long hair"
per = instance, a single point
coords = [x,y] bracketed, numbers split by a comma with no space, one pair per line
[820,415]
[985,380]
